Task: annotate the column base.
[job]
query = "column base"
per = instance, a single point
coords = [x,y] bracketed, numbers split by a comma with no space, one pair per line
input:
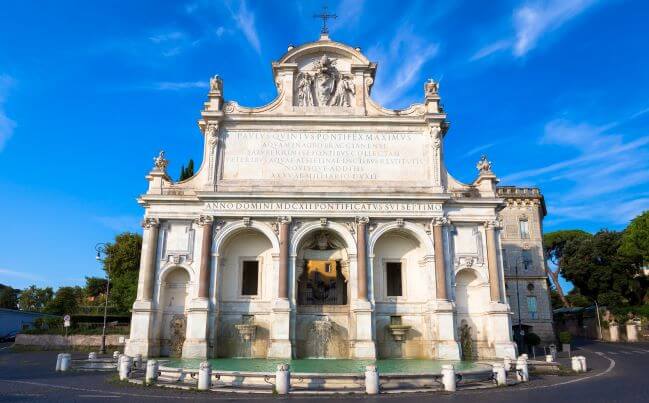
[196,348]
[505,349]
[195,345]
[141,340]
[364,350]
[280,341]
[449,350]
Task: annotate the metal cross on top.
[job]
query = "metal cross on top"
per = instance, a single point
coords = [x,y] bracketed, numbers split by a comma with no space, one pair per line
[325,16]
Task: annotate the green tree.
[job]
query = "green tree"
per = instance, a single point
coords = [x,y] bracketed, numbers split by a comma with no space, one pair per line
[65,301]
[95,286]
[35,299]
[599,271]
[186,173]
[554,244]
[122,263]
[635,241]
[8,297]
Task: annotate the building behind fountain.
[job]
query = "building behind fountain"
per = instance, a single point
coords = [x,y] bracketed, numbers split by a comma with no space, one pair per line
[322,225]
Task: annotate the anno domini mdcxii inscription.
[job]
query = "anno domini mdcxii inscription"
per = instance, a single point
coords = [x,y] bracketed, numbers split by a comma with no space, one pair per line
[326,156]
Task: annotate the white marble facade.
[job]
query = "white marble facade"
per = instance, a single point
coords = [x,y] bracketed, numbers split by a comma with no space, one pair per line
[322,225]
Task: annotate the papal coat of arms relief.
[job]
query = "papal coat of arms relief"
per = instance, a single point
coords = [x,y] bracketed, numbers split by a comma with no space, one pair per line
[325,85]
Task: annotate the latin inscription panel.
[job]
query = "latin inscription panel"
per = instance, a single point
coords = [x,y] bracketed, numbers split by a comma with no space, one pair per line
[326,156]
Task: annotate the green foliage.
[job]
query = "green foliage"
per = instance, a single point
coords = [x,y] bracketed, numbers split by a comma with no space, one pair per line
[186,173]
[66,301]
[599,272]
[624,313]
[123,263]
[635,241]
[565,337]
[35,299]
[532,339]
[578,300]
[8,297]
[554,242]
[95,286]
[555,299]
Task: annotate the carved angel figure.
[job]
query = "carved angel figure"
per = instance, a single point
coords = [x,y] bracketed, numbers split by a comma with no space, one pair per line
[431,87]
[216,84]
[160,162]
[345,90]
[305,90]
[484,165]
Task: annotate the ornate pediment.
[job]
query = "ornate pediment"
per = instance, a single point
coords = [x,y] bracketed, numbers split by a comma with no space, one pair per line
[325,81]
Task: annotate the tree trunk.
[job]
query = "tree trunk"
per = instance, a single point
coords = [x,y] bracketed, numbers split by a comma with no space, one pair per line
[555,279]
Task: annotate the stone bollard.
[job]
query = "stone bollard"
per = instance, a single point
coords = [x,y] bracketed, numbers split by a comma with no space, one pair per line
[371,380]
[137,361]
[507,363]
[151,372]
[92,356]
[283,379]
[58,361]
[522,373]
[553,352]
[115,355]
[614,330]
[448,378]
[124,367]
[549,358]
[582,363]
[499,374]
[204,376]
[631,332]
[576,364]
[66,362]
[525,357]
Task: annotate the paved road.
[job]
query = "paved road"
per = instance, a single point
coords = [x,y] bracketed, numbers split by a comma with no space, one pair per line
[619,375]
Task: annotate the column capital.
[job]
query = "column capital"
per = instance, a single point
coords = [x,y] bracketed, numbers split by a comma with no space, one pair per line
[203,220]
[284,220]
[493,224]
[440,221]
[362,220]
[150,222]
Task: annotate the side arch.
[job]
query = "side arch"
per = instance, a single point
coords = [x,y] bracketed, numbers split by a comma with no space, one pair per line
[416,230]
[237,226]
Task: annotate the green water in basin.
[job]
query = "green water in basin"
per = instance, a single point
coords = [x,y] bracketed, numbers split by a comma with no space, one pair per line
[328,366]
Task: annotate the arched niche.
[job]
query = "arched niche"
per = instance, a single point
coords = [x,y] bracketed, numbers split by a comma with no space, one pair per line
[173,303]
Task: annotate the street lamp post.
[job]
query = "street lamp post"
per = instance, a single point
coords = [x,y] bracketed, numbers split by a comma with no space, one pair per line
[519,331]
[100,248]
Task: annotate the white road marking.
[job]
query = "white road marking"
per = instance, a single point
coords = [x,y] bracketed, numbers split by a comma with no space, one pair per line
[100,396]
[611,365]
[640,351]
[610,352]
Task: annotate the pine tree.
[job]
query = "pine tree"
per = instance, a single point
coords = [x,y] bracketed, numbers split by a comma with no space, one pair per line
[186,173]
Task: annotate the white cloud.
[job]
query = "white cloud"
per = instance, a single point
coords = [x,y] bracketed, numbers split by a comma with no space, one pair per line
[167,36]
[245,20]
[348,13]
[601,183]
[533,20]
[477,149]
[401,62]
[7,125]
[179,85]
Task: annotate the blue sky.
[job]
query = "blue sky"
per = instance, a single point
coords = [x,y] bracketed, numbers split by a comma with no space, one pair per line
[555,92]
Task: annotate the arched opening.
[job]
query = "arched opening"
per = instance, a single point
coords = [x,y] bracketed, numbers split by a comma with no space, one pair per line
[471,299]
[322,295]
[399,278]
[245,280]
[173,302]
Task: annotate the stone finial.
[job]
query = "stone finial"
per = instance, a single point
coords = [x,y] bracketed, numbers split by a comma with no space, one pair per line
[484,166]
[431,88]
[160,162]
[216,84]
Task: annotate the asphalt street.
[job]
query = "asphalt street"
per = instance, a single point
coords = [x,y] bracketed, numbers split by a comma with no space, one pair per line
[618,374]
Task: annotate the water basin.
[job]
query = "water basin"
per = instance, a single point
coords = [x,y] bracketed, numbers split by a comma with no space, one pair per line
[326,366]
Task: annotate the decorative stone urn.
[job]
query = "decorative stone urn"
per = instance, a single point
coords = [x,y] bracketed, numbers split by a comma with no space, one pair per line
[247,331]
[398,331]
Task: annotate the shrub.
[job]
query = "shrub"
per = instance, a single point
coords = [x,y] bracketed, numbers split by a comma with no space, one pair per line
[565,337]
[532,339]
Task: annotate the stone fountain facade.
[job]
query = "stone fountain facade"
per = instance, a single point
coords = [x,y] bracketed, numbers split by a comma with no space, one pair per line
[321,224]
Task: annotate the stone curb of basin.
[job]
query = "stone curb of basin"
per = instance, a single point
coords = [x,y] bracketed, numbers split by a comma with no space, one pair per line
[340,383]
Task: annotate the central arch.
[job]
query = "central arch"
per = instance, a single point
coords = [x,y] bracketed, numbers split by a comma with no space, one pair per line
[323,264]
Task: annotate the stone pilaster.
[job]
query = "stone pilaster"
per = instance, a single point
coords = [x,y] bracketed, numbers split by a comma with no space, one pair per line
[363,344]
[280,330]
[196,344]
[141,340]
[440,260]
[492,261]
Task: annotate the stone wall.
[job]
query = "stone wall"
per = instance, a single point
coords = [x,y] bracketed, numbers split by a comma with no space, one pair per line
[51,341]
